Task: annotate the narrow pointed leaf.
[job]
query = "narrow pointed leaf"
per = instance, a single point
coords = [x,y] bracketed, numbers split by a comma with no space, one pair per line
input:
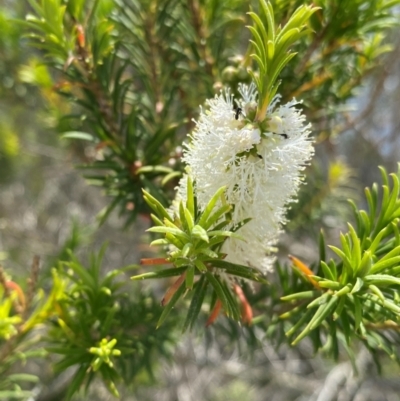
[171,304]
[219,291]
[189,277]
[156,205]
[195,305]
[382,280]
[198,232]
[210,206]
[327,271]
[190,196]
[357,286]
[299,295]
[176,271]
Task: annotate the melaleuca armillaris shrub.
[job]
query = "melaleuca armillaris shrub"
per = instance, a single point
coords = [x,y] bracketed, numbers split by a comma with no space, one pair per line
[217,184]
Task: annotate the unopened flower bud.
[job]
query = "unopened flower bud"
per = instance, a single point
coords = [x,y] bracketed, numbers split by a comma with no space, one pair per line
[250,110]
[229,74]
[275,125]
[236,59]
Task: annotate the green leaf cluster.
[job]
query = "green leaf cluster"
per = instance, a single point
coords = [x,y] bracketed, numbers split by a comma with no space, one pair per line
[8,320]
[127,68]
[19,321]
[103,331]
[358,295]
[13,382]
[196,237]
[47,25]
[271,48]
[349,43]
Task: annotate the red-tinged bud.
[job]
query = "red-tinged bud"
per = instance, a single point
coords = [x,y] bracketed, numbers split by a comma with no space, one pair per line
[130,206]
[246,310]
[154,261]
[172,290]
[80,35]
[305,270]
[146,216]
[102,145]
[215,313]
[62,85]
[11,285]
[135,166]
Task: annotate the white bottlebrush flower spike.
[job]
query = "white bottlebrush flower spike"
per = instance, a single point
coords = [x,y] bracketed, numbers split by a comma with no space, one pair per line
[260,167]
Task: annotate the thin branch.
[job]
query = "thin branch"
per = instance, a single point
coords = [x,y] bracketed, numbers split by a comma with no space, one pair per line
[378,88]
[200,30]
[32,281]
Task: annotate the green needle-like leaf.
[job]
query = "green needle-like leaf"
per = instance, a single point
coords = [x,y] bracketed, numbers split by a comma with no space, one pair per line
[197,302]
[210,206]
[176,271]
[189,277]
[320,315]
[156,205]
[382,280]
[190,204]
[299,295]
[220,292]
[167,308]
[327,271]
[200,233]
[357,286]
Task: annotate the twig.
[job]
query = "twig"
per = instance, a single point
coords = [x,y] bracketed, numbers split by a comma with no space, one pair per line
[194,8]
[373,96]
[3,282]
[32,280]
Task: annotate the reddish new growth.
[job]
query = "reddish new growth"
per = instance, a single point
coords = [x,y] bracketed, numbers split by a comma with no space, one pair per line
[246,310]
